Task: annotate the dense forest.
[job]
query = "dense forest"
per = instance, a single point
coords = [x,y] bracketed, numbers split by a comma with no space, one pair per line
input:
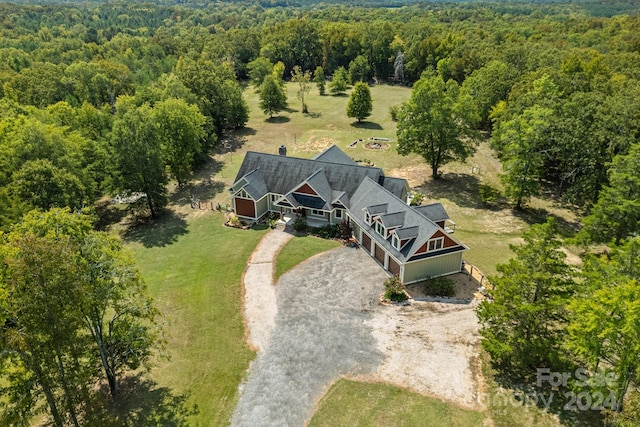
[105,99]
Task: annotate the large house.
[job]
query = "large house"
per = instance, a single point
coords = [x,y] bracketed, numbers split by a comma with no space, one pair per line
[413,243]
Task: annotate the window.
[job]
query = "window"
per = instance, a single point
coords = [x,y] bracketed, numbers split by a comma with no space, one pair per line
[243,194]
[435,244]
[380,229]
[339,213]
[316,212]
[274,197]
[367,218]
[395,241]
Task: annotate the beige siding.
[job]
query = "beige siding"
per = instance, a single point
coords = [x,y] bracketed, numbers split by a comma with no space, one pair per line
[432,267]
[262,206]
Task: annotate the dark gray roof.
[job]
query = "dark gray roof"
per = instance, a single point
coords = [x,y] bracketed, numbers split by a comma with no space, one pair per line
[334,154]
[434,211]
[283,174]
[391,220]
[370,195]
[397,186]
[318,181]
[407,232]
[378,209]
[255,185]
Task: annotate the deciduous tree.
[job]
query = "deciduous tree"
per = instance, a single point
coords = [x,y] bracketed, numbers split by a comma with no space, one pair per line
[273,98]
[436,122]
[137,154]
[360,105]
[303,78]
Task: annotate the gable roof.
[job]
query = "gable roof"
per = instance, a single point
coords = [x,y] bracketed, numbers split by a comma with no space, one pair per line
[334,154]
[392,209]
[434,211]
[283,174]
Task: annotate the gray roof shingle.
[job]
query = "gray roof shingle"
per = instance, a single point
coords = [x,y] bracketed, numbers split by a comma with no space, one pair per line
[334,154]
[370,195]
[434,211]
[282,174]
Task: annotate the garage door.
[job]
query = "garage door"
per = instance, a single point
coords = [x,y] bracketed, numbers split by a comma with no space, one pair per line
[366,242]
[379,254]
[245,207]
[394,267]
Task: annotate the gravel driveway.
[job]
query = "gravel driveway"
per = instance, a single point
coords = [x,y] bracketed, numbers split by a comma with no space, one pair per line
[321,334]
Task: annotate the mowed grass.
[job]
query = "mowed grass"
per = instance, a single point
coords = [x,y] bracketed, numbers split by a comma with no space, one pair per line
[306,135]
[350,403]
[299,249]
[196,283]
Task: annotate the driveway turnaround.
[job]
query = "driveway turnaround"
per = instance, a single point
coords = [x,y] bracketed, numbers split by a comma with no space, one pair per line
[321,333]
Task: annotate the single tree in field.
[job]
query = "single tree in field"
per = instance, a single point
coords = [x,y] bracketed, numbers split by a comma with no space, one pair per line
[339,82]
[273,98]
[436,122]
[303,78]
[319,79]
[616,215]
[523,324]
[359,105]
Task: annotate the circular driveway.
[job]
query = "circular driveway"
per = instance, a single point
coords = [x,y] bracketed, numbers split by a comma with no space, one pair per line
[320,335]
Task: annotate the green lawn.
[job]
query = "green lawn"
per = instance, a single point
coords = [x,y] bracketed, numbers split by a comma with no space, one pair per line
[350,403]
[299,249]
[195,278]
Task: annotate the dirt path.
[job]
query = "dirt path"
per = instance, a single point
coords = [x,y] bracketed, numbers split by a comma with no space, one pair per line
[260,306]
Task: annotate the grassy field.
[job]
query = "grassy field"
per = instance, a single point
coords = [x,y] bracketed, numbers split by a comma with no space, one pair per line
[194,274]
[299,249]
[349,403]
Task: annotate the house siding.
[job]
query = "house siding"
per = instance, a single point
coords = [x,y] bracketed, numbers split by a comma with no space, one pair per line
[262,206]
[432,267]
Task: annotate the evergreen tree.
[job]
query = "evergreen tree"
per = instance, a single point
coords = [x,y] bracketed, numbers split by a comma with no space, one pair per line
[273,98]
[523,323]
[319,80]
[339,82]
[616,215]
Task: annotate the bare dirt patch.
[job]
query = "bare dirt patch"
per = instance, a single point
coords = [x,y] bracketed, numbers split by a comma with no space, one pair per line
[430,348]
[314,144]
[466,287]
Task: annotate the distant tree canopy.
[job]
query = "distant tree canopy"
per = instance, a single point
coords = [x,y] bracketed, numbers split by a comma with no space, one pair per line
[509,59]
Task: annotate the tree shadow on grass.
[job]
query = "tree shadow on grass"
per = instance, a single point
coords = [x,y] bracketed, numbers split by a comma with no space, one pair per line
[462,189]
[313,115]
[277,119]
[526,392]
[201,192]
[232,141]
[140,403]
[159,232]
[531,216]
[367,125]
